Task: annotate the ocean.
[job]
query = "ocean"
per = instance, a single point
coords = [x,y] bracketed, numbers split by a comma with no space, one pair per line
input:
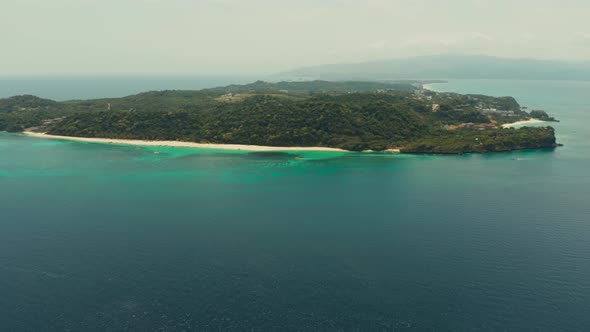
[62,88]
[96,237]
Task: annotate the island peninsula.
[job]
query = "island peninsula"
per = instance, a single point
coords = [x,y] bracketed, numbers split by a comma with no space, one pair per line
[318,115]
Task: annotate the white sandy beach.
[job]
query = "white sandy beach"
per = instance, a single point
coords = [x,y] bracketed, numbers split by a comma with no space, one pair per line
[181,144]
[429,87]
[521,123]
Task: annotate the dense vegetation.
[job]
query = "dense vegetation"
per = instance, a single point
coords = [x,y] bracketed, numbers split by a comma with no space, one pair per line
[349,115]
[265,120]
[468,141]
[20,112]
[542,115]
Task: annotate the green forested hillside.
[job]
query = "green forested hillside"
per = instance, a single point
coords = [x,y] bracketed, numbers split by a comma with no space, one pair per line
[264,120]
[349,115]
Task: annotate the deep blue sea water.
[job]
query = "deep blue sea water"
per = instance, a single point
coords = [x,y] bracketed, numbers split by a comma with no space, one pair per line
[119,238]
[94,87]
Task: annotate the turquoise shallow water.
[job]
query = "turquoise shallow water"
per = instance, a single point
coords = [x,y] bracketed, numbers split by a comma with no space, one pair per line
[96,237]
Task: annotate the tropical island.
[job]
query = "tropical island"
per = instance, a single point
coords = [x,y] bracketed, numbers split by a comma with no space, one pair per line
[355,116]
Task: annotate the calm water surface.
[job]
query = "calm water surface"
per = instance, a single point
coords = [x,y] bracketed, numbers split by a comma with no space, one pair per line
[89,87]
[113,238]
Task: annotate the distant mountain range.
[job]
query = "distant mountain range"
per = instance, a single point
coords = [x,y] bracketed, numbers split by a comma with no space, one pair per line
[446,66]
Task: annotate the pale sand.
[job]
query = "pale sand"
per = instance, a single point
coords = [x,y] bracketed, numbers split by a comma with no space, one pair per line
[182,144]
[521,123]
[428,87]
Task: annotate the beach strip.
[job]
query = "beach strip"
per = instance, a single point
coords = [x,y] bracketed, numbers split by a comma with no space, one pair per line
[180,144]
[522,123]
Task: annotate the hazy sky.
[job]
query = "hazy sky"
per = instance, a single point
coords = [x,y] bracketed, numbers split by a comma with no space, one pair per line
[264,36]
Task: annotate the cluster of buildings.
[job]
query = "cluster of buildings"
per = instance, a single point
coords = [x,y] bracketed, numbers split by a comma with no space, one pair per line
[471,125]
[422,94]
[493,111]
[229,97]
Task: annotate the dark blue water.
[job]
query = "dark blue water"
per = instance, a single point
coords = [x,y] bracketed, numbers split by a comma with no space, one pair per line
[94,87]
[112,238]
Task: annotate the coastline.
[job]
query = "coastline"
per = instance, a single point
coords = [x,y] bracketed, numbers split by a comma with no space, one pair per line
[522,123]
[429,86]
[180,144]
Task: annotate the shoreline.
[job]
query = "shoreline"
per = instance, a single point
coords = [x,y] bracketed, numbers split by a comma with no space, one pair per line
[522,123]
[180,144]
[428,87]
